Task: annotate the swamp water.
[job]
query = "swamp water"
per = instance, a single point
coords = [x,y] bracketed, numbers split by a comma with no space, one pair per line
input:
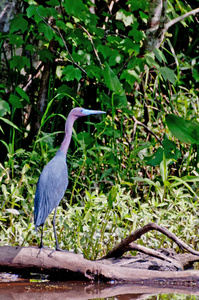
[25,290]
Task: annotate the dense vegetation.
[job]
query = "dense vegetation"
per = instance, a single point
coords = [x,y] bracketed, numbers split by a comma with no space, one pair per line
[137,164]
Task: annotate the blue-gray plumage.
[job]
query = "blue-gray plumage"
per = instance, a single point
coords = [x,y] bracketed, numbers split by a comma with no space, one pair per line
[53,180]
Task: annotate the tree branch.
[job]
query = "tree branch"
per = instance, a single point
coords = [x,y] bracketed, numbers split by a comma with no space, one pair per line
[120,249]
[146,127]
[178,19]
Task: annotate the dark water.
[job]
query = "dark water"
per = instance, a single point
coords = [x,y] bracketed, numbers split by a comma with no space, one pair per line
[24,290]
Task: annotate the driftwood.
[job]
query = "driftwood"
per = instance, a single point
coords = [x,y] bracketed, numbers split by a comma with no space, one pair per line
[141,269]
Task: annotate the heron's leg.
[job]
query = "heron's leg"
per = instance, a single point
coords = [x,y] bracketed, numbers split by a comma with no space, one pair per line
[41,244]
[57,245]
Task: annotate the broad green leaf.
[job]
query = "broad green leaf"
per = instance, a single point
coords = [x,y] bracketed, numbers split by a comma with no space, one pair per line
[15,101]
[23,94]
[135,33]
[46,30]
[138,4]
[2,88]
[45,55]
[130,76]
[159,55]
[149,57]
[186,131]
[196,74]
[105,99]
[4,108]
[115,58]
[168,74]
[112,80]
[71,73]
[30,48]
[32,12]
[94,72]
[16,40]
[42,11]
[18,23]
[169,149]
[63,91]
[53,2]
[105,51]
[120,100]
[19,62]
[59,71]
[75,7]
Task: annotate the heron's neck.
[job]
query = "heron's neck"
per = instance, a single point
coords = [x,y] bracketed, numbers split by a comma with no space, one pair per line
[68,134]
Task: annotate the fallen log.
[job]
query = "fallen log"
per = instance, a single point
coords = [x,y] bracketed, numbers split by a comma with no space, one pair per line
[69,266]
[144,268]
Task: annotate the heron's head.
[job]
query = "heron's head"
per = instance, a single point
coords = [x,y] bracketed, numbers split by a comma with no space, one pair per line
[80,112]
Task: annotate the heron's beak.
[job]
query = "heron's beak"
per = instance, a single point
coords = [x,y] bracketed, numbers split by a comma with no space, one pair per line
[92,112]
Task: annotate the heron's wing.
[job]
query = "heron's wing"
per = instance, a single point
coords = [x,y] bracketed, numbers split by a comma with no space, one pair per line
[51,187]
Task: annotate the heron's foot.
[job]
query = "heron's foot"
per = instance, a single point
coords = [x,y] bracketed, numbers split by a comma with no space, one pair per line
[59,249]
[42,247]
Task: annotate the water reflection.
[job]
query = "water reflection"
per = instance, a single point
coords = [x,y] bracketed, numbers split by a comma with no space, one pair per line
[85,290]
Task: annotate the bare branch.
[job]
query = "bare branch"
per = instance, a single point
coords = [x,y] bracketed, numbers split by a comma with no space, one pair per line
[178,19]
[72,60]
[92,43]
[146,127]
[120,249]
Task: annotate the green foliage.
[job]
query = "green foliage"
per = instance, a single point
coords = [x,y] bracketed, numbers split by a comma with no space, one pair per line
[169,151]
[187,131]
[121,175]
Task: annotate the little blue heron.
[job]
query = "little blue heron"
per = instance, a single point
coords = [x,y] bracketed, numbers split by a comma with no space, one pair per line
[53,180]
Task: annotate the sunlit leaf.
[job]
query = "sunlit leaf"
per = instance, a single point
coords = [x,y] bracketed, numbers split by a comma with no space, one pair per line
[4,108]
[12,211]
[126,17]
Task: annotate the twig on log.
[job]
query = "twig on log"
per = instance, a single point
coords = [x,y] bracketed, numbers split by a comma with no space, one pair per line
[151,252]
[122,247]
